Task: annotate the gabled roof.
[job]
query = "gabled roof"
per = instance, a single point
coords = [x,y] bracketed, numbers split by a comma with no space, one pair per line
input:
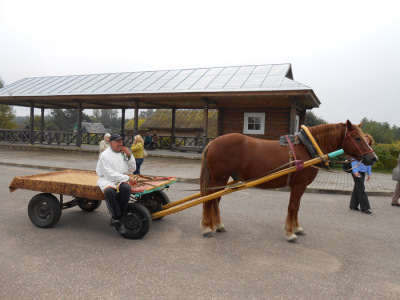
[240,78]
[94,127]
[185,119]
[116,89]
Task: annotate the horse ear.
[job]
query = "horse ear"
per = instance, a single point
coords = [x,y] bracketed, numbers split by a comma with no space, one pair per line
[349,125]
[361,124]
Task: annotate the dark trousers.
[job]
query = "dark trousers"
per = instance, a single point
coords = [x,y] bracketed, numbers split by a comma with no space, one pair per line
[118,202]
[139,162]
[359,196]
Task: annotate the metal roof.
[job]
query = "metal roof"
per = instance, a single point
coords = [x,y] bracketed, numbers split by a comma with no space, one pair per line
[221,79]
[181,88]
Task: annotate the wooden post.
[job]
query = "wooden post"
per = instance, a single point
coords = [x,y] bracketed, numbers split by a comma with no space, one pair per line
[123,124]
[136,120]
[205,124]
[220,122]
[292,118]
[78,142]
[173,133]
[32,125]
[41,125]
[303,117]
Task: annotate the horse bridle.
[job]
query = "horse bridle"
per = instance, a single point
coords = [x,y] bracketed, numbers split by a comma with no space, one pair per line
[348,136]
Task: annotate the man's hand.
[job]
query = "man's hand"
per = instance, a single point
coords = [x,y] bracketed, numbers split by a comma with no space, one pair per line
[132,181]
[126,151]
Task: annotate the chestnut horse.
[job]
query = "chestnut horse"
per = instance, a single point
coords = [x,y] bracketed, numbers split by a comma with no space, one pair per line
[245,158]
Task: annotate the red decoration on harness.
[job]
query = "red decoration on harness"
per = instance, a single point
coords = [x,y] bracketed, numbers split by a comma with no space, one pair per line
[298,163]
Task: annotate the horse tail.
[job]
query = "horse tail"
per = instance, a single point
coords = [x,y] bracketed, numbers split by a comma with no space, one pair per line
[205,177]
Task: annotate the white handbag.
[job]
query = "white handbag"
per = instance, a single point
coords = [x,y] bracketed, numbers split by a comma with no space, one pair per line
[396,174]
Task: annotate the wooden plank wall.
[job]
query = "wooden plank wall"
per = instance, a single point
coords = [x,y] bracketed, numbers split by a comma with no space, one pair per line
[230,120]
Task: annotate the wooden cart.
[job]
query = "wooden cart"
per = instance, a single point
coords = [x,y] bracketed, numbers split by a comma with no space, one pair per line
[45,209]
[149,202]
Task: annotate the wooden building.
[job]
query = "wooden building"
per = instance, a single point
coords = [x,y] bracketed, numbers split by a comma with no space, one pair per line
[90,127]
[188,123]
[258,100]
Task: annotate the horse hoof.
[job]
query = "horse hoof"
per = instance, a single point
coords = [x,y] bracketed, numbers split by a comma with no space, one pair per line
[208,234]
[292,238]
[298,231]
[221,229]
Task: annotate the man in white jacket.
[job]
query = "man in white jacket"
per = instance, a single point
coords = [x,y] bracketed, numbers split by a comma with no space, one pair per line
[114,166]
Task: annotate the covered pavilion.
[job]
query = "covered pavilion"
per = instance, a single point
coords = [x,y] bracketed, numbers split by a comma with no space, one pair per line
[251,87]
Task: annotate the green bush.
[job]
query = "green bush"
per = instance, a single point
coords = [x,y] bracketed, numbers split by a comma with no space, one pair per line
[387,154]
[387,157]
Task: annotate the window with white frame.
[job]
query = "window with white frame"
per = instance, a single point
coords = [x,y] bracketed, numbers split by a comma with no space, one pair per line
[254,123]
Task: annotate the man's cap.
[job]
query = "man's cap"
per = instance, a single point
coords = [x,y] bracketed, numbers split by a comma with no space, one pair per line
[115,137]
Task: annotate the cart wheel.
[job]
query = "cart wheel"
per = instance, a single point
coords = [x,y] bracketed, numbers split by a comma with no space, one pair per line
[137,221]
[154,201]
[88,204]
[44,210]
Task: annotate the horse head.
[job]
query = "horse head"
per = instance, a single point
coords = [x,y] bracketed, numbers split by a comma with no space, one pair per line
[354,144]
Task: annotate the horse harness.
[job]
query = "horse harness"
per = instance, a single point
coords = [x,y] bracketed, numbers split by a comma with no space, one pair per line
[347,135]
[289,140]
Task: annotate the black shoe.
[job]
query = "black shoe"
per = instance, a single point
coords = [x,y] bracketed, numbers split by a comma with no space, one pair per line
[122,229]
[367,211]
[113,222]
[396,204]
[354,208]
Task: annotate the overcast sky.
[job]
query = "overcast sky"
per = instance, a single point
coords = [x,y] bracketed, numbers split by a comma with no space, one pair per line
[346,51]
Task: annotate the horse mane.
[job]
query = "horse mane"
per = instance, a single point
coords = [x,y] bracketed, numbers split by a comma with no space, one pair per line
[329,136]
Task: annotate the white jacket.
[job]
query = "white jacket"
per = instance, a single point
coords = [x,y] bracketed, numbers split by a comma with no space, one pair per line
[113,168]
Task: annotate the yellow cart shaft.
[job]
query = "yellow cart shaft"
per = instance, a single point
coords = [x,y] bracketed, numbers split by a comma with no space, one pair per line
[186,199]
[191,201]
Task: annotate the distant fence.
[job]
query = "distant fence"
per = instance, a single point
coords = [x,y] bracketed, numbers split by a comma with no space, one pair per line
[68,138]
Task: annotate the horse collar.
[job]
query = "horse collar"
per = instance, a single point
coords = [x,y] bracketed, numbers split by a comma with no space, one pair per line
[305,140]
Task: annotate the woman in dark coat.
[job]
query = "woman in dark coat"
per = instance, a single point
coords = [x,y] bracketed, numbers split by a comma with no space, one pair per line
[359,196]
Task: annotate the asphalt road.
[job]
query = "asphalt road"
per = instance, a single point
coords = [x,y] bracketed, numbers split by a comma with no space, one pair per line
[345,254]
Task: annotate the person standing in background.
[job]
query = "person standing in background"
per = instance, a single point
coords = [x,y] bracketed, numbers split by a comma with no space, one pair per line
[359,196]
[154,141]
[104,144]
[396,193]
[147,141]
[137,152]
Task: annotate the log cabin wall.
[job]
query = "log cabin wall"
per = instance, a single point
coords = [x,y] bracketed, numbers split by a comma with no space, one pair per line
[231,120]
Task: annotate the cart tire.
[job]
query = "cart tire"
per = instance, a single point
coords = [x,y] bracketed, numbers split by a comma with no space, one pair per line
[44,210]
[88,204]
[137,221]
[154,202]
